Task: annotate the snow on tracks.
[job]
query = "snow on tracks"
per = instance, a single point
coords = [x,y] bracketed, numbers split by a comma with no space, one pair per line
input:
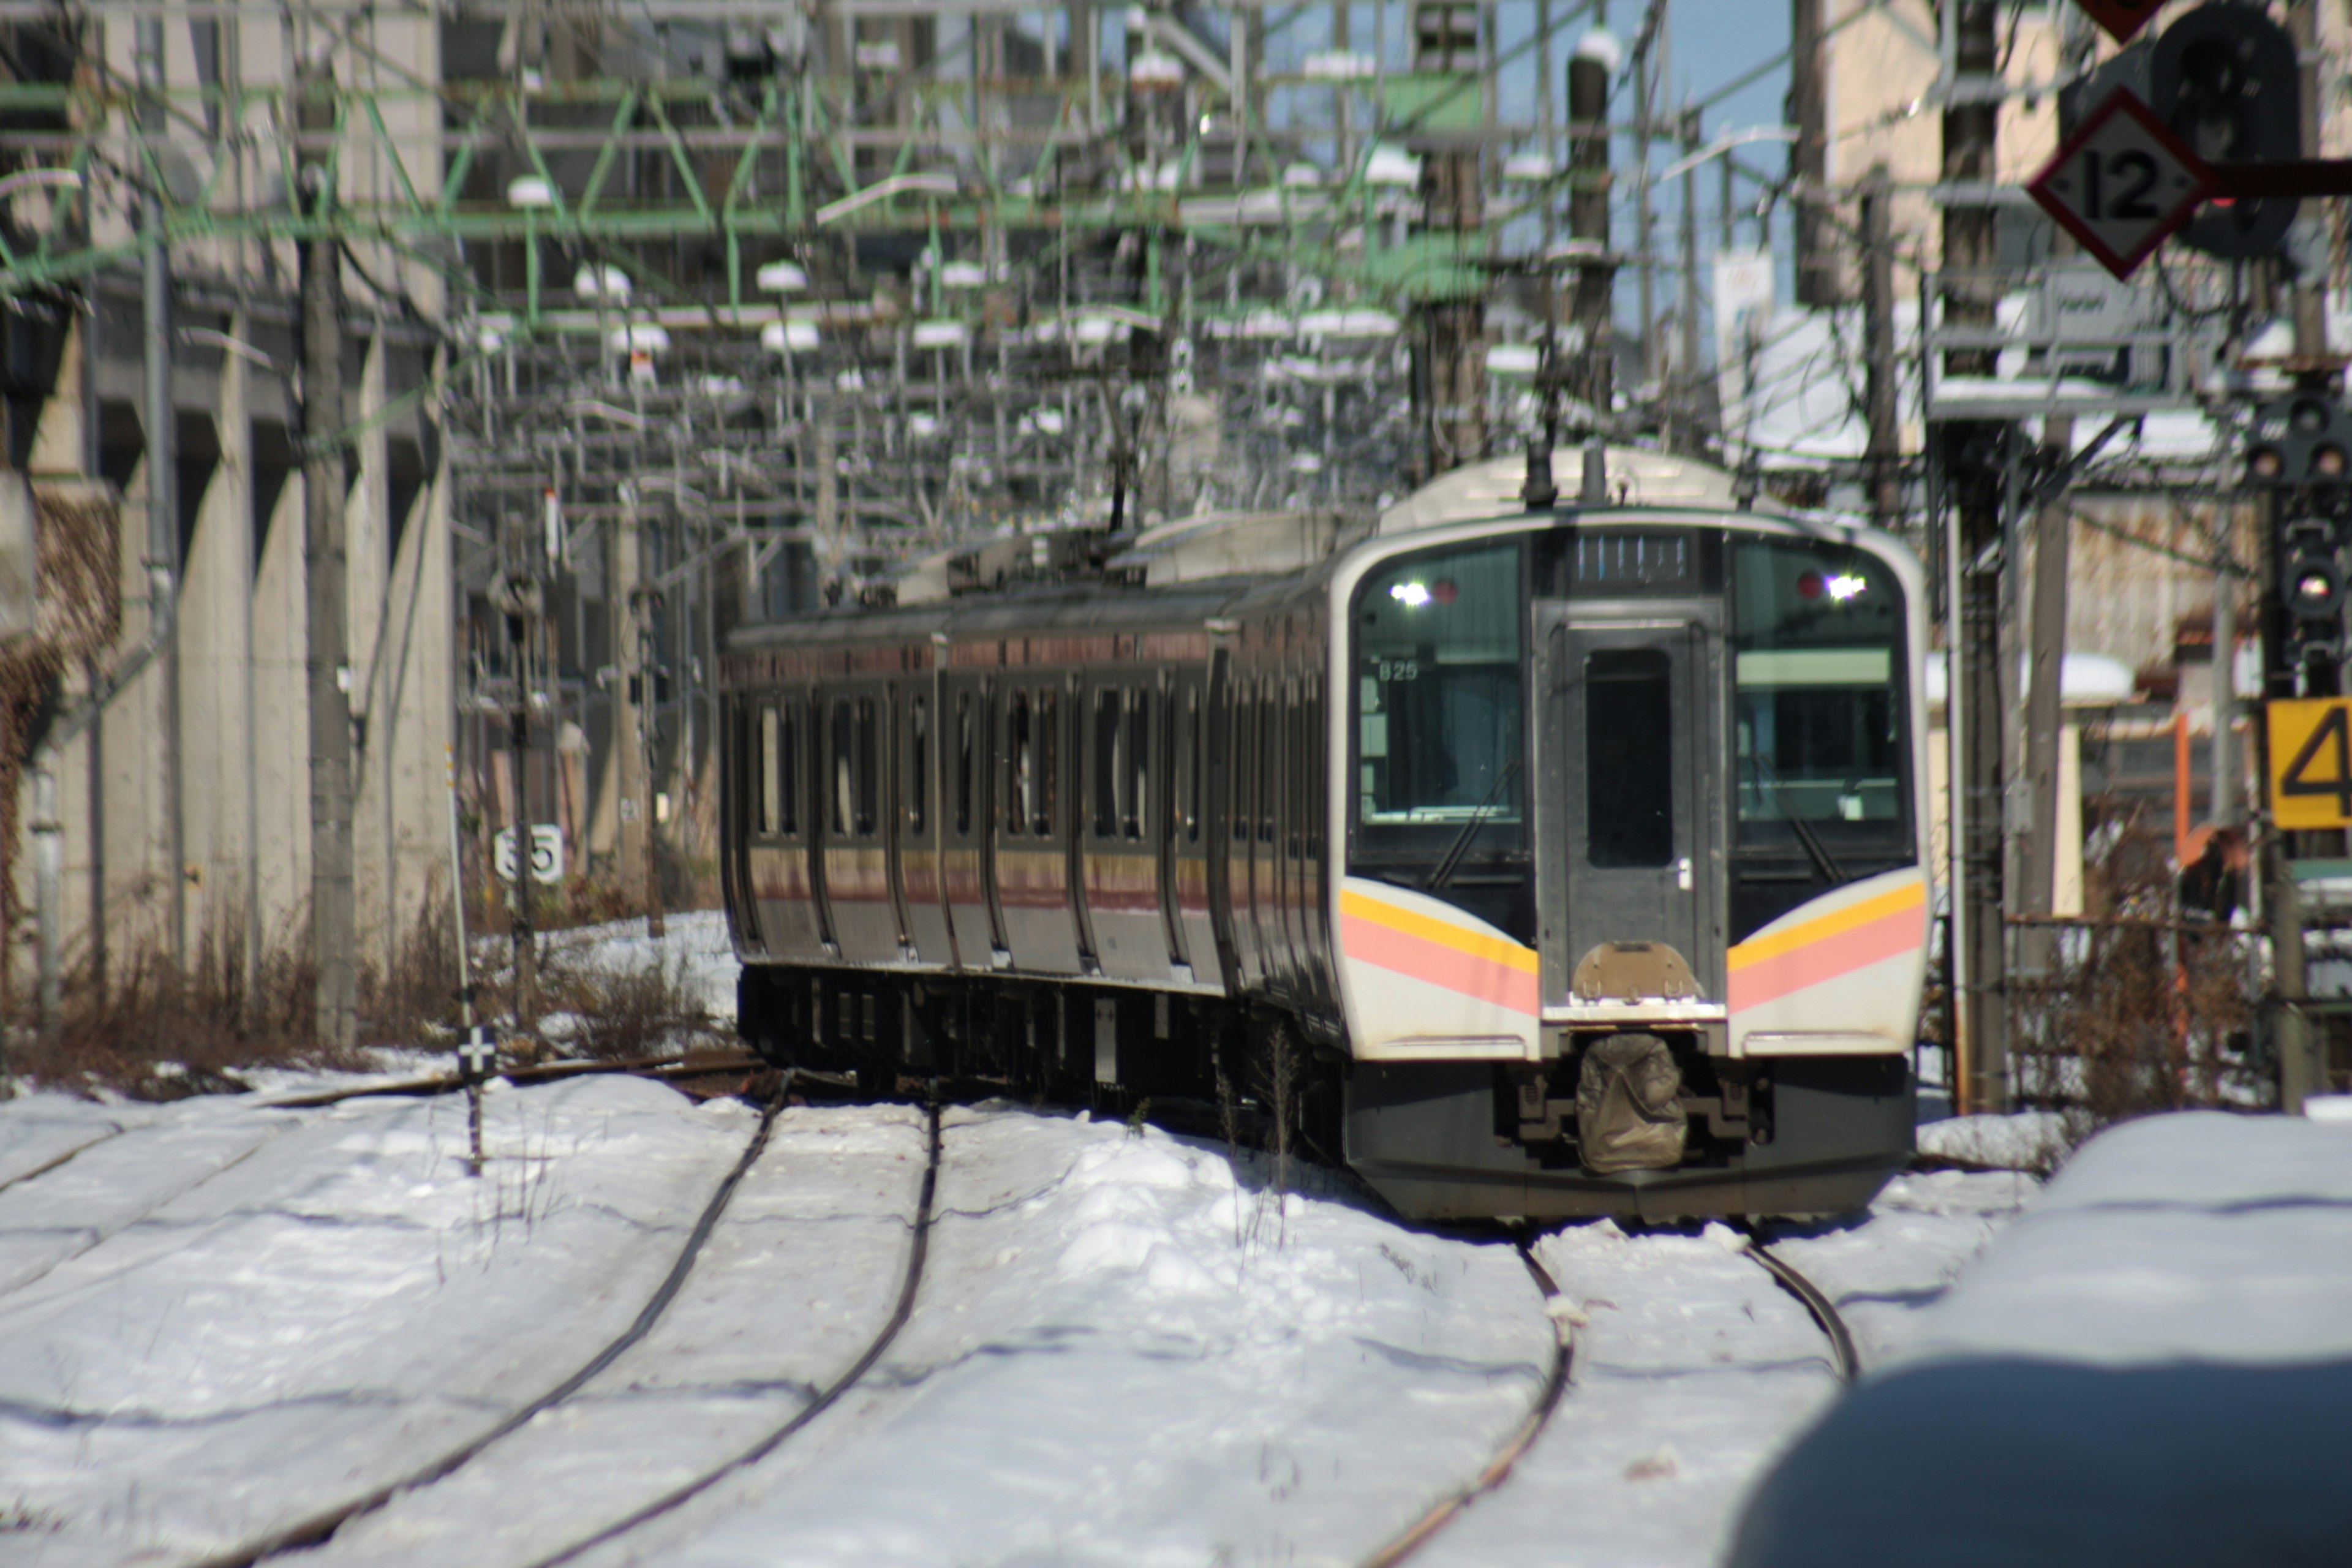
[805,1265]
[344,1299]
[1122,1355]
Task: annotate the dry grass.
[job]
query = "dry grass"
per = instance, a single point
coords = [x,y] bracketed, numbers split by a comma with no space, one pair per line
[623,1016]
[2142,1012]
[157,1031]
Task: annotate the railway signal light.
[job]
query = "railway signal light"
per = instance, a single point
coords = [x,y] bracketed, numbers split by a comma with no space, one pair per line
[2298,441]
[2225,78]
[2314,581]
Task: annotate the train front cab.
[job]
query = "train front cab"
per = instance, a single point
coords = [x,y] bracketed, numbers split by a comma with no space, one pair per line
[1635,912]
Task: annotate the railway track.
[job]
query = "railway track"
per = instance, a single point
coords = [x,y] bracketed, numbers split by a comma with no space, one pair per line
[1816,1302]
[1498,1467]
[317,1527]
[1497,1470]
[918,1252]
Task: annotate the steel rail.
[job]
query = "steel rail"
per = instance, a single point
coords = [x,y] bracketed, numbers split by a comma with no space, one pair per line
[1816,1302]
[1498,1468]
[315,1528]
[918,1250]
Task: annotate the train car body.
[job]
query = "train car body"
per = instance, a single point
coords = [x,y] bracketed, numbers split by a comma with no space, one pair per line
[1552,862]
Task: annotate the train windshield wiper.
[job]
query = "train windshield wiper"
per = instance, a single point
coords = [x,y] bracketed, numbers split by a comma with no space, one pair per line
[1769,777]
[1443,873]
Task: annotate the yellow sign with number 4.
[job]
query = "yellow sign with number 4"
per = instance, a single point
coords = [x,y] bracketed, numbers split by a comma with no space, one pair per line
[2311,761]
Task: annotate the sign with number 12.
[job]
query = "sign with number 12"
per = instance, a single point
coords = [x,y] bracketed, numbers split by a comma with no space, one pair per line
[2122,183]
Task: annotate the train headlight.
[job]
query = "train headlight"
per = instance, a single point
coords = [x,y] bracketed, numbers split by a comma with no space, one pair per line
[1844,587]
[1412,595]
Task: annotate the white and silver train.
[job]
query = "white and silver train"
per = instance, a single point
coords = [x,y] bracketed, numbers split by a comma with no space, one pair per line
[1535,862]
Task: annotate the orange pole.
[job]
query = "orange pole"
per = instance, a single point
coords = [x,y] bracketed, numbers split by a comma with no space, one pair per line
[2180,787]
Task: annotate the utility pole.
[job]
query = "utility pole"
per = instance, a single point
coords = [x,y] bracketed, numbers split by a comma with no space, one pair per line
[1452,370]
[334,933]
[2053,524]
[1645,252]
[2301,1048]
[1686,376]
[1972,105]
[161,416]
[1589,69]
[629,722]
[1883,453]
[1809,155]
[521,600]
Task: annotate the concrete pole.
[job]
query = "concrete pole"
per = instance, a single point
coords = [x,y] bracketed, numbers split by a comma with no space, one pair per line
[1589,70]
[1973,632]
[161,420]
[629,722]
[2227,807]
[2303,1068]
[1453,369]
[1809,155]
[2053,524]
[333,934]
[1686,376]
[1885,452]
[642,604]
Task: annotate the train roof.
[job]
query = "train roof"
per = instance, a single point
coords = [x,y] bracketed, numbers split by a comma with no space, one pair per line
[1199,567]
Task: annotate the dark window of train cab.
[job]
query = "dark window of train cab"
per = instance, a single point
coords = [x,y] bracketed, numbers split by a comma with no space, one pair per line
[1439,708]
[1819,687]
[1041,820]
[1629,753]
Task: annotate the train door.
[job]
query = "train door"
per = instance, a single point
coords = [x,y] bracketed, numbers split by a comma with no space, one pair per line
[1627,851]
[966,801]
[919,829]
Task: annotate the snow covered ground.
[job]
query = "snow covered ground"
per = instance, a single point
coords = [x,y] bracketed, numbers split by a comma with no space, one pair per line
[218,1317]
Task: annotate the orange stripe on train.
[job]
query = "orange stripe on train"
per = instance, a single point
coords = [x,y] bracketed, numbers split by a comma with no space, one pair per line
[1439,964]
[1838,953]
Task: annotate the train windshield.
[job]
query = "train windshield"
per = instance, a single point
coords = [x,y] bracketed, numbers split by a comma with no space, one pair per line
[1437,688]
[1818,683]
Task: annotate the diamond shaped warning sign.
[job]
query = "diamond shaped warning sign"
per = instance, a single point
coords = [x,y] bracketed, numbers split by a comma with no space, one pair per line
[2122,183]
[2121,18]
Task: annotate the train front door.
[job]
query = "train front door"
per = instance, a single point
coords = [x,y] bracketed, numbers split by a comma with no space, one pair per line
[1627,849]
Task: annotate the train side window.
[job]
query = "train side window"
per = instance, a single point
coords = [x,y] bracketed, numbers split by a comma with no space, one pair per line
[965,756]
[1105,761]
[788,817]
[918,748]
[1187,775]
[768,768]
[1048,754]
[869,771]
[1021,761]
[1629,757]
[845,735]
[1241,771]
[1269,746]
[1139,763]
